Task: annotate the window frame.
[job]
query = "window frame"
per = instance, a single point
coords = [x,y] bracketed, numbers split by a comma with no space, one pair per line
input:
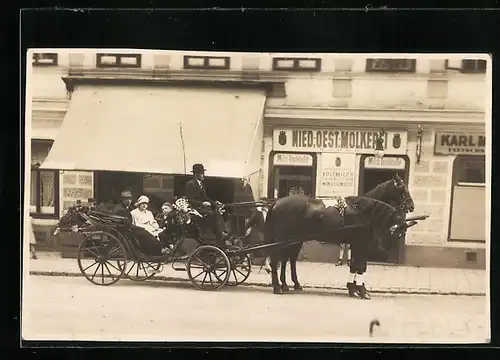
[37,57]
[296,64]
[118,61]
[206,62]
[369,66]
[38,195]
[476,69]
[38,176]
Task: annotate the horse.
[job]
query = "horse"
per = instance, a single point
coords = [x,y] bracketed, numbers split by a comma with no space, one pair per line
[393,192]
[301,218]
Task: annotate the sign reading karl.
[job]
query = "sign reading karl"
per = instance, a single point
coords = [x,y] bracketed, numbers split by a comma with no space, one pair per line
[338,140]
[460,143]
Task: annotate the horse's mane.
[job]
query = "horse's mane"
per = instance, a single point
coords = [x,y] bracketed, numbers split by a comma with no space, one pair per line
[379,190]
[377,212]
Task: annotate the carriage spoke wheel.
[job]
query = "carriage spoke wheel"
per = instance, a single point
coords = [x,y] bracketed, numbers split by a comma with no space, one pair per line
[98,258]
[139,270]
[208,268]
[241,266]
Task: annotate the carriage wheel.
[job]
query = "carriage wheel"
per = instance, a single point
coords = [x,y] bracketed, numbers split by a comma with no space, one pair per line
[241,267]
[208,268]
[139,270]
[97,259]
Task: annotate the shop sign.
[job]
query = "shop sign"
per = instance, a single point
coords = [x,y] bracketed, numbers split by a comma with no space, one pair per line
[337,174]
[293,160]
[460,143]
[387,162]
[338,140]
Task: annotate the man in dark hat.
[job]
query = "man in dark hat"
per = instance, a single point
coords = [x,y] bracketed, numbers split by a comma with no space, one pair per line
[197,197]
[124,207]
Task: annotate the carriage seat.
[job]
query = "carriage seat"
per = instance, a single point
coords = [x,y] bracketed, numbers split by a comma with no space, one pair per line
[112,219]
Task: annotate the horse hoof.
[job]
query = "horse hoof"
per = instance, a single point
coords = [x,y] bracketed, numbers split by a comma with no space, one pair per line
[277,290]
[298,287]
[285,288]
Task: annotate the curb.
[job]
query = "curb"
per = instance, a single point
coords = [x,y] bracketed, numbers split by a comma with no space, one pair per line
[260,284]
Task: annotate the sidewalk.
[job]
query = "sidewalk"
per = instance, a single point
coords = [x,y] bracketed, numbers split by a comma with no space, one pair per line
[379,279]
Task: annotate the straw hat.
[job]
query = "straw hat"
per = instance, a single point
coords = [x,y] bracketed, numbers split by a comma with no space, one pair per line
[143,199]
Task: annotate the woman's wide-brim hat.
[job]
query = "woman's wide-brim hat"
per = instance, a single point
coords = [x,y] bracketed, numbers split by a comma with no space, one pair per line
[143,199]
[198,169]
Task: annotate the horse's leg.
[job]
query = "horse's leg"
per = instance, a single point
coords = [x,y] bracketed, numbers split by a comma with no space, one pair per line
[293,267]
[274,273]
[267,264]
[284,260]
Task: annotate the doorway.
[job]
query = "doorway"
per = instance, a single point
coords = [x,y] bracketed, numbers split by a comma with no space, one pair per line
[373,172]
[292,174]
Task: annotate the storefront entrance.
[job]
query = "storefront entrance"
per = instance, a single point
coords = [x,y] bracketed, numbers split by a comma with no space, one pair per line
[374,172]
[292,174]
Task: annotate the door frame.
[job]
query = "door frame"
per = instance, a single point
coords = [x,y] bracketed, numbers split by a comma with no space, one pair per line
[271,170]
[402,240]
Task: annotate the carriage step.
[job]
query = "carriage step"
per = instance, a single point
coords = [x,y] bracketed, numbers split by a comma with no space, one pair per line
[182,268]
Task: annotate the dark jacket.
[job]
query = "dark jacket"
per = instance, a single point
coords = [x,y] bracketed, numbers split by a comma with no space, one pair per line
[121,210]
[196,195]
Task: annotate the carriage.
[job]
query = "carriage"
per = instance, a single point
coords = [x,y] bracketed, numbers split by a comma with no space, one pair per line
[109,251]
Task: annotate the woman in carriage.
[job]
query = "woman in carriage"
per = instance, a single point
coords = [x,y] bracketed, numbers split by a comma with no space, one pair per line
[146,229]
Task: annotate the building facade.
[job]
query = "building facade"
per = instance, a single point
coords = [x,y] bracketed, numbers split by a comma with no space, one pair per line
[321,116]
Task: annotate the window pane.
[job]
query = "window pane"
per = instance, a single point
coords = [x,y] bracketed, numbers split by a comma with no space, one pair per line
[472,171]
[33,192]
[47,190]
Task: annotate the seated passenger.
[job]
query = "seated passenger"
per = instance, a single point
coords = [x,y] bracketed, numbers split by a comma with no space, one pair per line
[146,229]
[124,207]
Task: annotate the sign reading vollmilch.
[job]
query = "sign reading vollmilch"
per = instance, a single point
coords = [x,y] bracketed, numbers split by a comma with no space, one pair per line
[338,140]
[460,144]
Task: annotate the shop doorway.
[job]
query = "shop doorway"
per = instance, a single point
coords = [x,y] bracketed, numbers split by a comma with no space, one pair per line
[292,174]
[374,172]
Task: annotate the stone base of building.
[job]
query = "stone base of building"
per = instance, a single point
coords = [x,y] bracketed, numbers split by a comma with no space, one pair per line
[445,257]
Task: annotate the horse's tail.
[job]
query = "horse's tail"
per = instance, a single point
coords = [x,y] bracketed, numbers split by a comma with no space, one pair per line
[268,225]
[373,323]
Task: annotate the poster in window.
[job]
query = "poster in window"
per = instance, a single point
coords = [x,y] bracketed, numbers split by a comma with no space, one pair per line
[337,174]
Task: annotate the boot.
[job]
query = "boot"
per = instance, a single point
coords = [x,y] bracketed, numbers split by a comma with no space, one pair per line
[353,291]
[363,293]
[339,263]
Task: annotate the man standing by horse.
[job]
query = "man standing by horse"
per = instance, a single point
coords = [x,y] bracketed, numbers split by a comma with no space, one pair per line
[197,196]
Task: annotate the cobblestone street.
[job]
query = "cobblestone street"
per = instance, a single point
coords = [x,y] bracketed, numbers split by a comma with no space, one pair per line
[70,308]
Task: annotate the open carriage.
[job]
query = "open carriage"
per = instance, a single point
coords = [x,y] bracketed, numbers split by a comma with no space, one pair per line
[109,251]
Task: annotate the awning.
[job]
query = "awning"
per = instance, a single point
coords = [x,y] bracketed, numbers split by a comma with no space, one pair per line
[160,130]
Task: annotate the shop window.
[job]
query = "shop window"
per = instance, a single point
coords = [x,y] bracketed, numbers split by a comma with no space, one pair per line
[468,199]
[119,60]
[44,189]
[391,65]
[470,169]
[45,59]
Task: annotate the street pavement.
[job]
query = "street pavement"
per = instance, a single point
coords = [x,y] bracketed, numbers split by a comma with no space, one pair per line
[378,278]
[71,308]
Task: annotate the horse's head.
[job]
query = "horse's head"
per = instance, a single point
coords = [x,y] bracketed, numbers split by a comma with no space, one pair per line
[396,194]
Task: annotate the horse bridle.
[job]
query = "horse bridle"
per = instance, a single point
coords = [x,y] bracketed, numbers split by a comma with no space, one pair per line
[404,199]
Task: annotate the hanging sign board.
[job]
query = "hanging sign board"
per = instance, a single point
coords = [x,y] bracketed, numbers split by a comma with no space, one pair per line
[338,140]
[293,160]
[337,174]
[460,143]
[386,162]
